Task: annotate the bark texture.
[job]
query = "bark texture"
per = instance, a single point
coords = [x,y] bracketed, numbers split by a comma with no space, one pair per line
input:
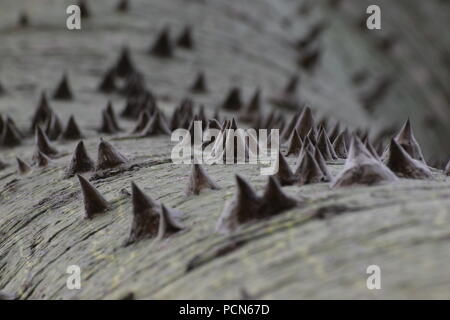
[321,250]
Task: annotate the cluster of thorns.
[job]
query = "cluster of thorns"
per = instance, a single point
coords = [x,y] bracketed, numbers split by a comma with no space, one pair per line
[313,144]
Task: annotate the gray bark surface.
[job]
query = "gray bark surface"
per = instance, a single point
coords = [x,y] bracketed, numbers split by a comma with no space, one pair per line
[402,227]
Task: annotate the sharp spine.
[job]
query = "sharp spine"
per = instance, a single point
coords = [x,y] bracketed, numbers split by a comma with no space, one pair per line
[199,180]
[80,162]
[404,166]
[108,156]
[22,167]
[63,91]
[361,168]
[72,130]
[94,202]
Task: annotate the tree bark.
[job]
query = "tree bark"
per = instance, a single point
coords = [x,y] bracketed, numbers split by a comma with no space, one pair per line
[319,251]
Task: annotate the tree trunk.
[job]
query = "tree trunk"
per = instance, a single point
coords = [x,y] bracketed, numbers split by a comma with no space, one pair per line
[321,250]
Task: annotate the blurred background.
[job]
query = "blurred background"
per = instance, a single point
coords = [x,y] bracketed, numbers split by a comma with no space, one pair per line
[366,79]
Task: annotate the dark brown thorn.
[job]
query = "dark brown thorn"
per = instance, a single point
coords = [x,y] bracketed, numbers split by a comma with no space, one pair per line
[94,202]
[335,4]
[310,145]
[128,296]
[258,120]
[214,124]
[245,295]
[10,137]
[23,21]
[185,39]
[14,127]
[162,47]
[335,132]
[387,42]
[340,146]
[294,144]
[253,108]
[305,122]
[167,224]
[324,147]
[63,91]
[132,108]
[175,122]
[371,149]
[312,135]
[123,6]
[276,201]
[406,139]
[360,76]
[292,85]
[146,215]
[255,102]
[80,162]
[363,134]
[284,173]
[42,113]
[112,116]
[233,100]
[330,145]
[375,93]
[225,124]
[380,147]
[322,164]
[347,138]
[233,124]
[42,161]
[307,146]
[84,9]
[108,156]
[361,168]
[199,180]
[43,144]
[124,66]
[289,128]
[404,166]
[308,171]
[107,126]
[187,108]
[72,130]
[186,123]
[156,125]
[53,128]
[22,167]
[141,123]
[199,85]
[313,34]
[244,207]
[305,8]
[310,57]
[141,201]
[134,85]
[202,116]
[288,97]
[108,83]
[301,154]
